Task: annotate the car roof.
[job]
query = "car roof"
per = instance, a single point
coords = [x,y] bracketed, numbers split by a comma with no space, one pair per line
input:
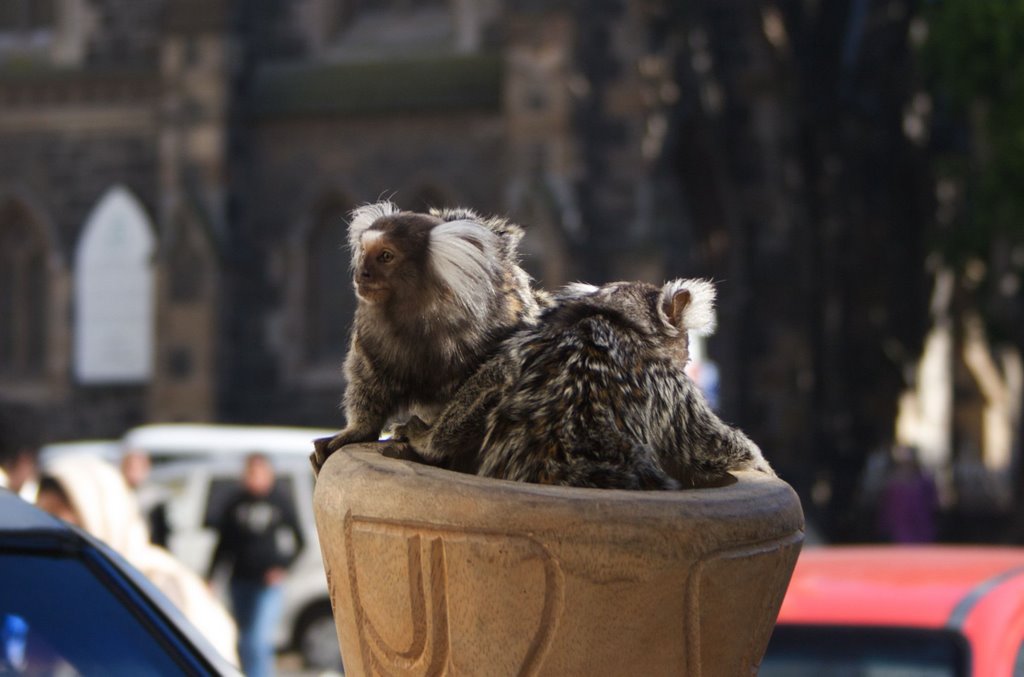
[184,439]
[17,516]
[22,523]
[109,450]
[916,586]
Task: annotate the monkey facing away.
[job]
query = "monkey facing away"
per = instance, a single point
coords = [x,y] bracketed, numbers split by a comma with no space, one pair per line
[594,395]
[436,294]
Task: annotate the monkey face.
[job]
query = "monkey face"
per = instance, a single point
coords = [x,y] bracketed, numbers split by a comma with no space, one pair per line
[389,261]
[375,267]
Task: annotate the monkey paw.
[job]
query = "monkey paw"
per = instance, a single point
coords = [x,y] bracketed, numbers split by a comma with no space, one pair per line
[414,431]
[321,450]
[400,450]
[325,446]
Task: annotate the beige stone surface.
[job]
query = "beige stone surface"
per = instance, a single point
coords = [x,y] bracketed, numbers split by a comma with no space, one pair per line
[437,573]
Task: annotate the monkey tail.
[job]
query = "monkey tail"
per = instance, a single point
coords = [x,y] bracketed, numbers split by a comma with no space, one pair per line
[634,469]
[650,476]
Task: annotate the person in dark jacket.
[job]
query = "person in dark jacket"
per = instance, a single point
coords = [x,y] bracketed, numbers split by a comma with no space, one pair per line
[259,539]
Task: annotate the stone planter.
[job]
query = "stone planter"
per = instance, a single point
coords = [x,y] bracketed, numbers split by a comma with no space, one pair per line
[438,573]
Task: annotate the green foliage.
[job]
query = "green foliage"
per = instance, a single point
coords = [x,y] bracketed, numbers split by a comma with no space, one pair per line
[974,58]
[976,48]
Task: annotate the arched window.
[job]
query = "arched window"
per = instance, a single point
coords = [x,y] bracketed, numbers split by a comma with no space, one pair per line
[24,294]
[114,288]
[329,302]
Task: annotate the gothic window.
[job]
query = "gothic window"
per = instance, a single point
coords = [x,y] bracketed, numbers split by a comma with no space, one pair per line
[24,295]
[329,301]
[114,288]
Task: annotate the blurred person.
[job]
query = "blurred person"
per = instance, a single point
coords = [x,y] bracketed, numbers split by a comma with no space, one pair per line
[20,438]
[259,538]
[21,472]
[135,466]
[90,493]
[909,500]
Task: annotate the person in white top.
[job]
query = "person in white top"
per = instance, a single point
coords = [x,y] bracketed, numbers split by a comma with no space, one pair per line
[92,494]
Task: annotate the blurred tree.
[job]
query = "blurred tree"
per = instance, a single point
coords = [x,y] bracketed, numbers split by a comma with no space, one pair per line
[973,57]
[806,193]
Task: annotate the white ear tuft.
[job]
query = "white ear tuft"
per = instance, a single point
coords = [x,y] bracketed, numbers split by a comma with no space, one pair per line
[464,255]
[361,219]
[576,290]
[698,315]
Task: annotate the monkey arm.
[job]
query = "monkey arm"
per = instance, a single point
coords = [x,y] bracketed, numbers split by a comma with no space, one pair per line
[459,430]
[368,404]
[715,447]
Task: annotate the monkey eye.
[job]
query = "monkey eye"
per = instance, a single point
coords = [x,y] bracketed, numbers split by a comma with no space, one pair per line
[386,257]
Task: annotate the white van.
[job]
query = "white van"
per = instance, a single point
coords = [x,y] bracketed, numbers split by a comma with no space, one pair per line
[196,468]
[167,442]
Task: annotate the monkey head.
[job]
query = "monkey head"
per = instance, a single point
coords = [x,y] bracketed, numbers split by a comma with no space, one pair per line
[389,256]
[422,261]
[665,314]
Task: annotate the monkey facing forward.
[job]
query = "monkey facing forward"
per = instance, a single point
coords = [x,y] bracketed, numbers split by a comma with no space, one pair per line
[594,395]
[436,294]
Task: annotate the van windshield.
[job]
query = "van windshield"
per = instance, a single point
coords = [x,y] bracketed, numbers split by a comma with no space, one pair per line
[56,617]
[813,651]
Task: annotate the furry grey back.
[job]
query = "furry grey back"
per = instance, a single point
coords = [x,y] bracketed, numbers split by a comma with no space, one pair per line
[596,396]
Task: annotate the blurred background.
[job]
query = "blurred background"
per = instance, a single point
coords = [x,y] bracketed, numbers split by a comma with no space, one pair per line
[175,175]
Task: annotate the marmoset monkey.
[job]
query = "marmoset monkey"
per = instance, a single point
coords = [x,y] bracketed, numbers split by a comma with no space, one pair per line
[436,294]
[594,395]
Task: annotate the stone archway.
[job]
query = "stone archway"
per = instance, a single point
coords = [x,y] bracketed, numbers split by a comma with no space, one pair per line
[33,301]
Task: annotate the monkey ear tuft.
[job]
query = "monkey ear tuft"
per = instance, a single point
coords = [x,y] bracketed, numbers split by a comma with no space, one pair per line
[576,290]
[447,214]
[689,305]
[363,217]
[463,255]
[508,233]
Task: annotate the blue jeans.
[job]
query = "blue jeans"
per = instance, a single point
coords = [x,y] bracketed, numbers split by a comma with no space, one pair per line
[257,608]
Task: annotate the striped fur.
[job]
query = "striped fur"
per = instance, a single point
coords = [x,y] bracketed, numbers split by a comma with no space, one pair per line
[466,259]
[436,294]
[595,395]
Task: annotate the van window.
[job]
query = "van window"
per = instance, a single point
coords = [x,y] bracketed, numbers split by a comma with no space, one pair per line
[224,489]
[57,617]
[812,651]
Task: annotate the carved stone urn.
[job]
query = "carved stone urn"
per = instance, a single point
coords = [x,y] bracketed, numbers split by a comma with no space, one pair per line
[439,573]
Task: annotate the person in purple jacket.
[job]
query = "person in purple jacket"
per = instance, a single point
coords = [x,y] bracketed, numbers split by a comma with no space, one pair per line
[909,500]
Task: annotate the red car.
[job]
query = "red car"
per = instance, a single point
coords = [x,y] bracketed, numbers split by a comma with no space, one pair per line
[902,610]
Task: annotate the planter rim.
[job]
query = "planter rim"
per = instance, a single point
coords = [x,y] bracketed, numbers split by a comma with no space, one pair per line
[437,572]
[757,505]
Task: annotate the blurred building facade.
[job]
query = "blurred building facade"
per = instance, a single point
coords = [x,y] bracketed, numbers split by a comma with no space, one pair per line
[175,175]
